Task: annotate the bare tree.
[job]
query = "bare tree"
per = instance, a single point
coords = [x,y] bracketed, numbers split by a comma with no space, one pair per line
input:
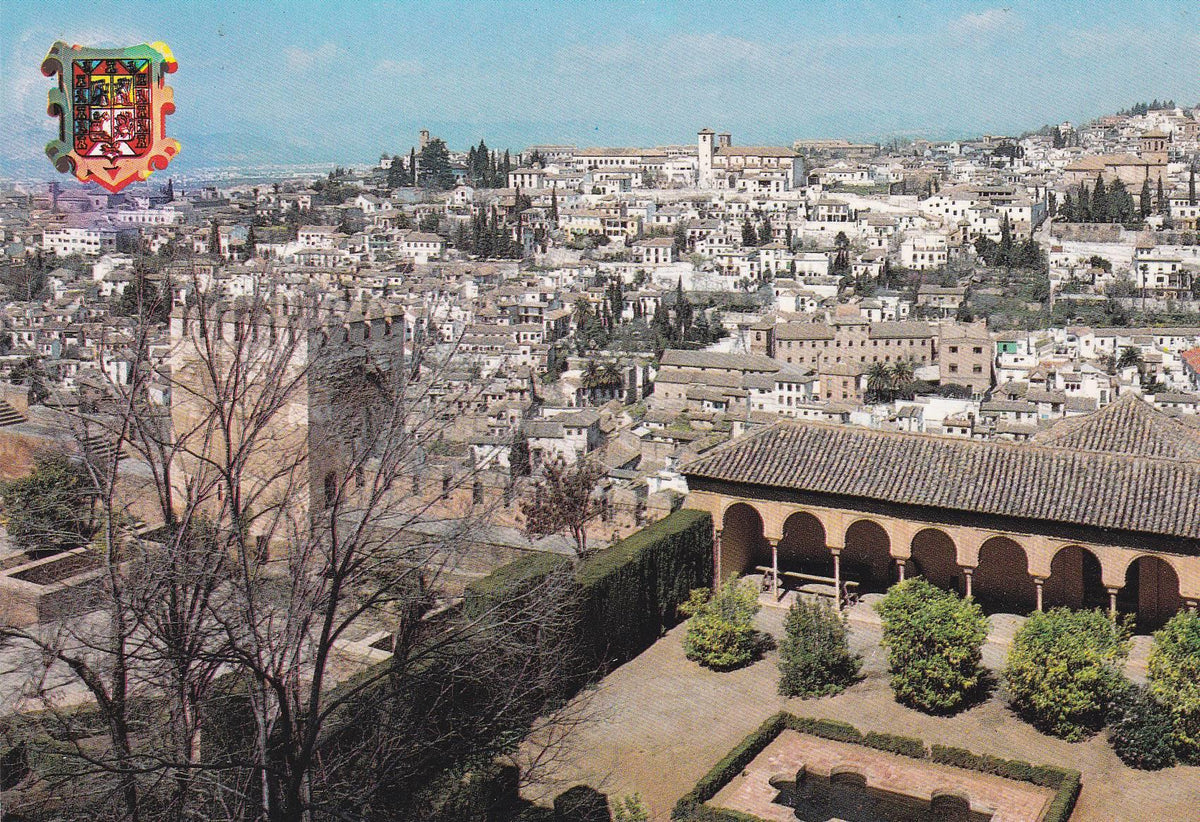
[287,526]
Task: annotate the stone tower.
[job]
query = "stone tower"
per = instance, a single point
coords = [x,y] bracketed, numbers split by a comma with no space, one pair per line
[705,158]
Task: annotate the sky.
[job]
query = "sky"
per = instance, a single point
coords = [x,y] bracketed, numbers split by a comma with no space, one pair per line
[331,81]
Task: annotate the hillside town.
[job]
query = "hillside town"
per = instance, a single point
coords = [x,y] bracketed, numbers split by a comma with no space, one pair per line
[644,305]
[628,377]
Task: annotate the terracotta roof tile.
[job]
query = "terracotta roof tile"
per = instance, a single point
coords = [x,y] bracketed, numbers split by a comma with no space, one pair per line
[1145,480]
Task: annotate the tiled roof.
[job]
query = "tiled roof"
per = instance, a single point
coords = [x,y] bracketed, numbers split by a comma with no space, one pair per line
[1127,426]
[1093,474]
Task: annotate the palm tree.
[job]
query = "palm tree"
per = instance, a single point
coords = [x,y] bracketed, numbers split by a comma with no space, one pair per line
[879,378]
[610,374]
[582,311]
[902,373]
[1130,356]
[591,375]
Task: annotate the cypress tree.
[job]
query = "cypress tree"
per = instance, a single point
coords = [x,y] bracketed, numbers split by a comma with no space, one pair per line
[1161,201]
[765,235]
[1100,201]
[749,235]
[554,206]
[1144,199]
[1192,187]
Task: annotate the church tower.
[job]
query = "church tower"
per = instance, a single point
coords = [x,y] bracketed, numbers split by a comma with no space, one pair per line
[705,156]
[1154,146]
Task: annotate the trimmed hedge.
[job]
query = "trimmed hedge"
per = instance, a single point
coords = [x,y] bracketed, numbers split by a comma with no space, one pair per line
[903,745]
[629,594]
[691,805]
[509,582]
[691,808]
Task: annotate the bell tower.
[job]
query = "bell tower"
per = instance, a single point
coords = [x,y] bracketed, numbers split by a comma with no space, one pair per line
[705,157]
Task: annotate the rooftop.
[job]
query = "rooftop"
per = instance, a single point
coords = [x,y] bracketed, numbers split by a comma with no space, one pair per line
[1143,465]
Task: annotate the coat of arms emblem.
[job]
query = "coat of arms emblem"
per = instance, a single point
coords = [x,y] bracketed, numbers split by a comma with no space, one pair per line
[112,106]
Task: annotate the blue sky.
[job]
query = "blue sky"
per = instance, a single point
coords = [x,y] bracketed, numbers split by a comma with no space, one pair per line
[331,81]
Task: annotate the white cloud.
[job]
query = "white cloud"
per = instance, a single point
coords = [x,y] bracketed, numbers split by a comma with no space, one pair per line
[300,59]
[394,67]
[980,23]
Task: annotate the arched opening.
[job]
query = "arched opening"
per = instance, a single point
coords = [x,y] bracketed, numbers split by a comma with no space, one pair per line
[1075,580]
[1151,592]
[803,546]
[742,542]
[1002,580]
[935,558]
[330,489]
[867,558]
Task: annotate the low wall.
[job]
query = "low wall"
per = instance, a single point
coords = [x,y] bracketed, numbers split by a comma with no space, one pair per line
[50,588]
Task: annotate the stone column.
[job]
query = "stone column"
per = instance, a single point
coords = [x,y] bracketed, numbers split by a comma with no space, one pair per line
[774,568]
[900,568]
[967,572]
[837,575]
[1038,583]
[1112,601]
[717,558]
[1190,604]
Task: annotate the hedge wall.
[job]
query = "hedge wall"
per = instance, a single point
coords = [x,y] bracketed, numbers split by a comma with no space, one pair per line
[630,592]
[691,807]
[509,582]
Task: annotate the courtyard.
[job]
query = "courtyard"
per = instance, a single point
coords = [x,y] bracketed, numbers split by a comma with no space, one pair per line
[660,722]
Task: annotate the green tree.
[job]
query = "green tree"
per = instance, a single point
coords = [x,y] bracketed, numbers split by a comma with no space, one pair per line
[31,372]
[765,233]
[631,809]
[518,454]
[1144,203]
[681,238]
[879,382]
[397,174]
[1130,356]
[1100,201]
[720,634]
[50,509]
[814,656]
[1174,678]
[434,165]
[1140,730]
[1192,186]
[934,642]
[1004,252]
[1160,200]
[1064,668]
[749,235]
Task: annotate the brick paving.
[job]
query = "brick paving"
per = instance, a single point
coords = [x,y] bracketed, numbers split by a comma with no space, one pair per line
[751,791]
[660,722]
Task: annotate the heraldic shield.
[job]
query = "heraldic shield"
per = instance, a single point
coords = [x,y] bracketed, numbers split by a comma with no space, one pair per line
[112,106]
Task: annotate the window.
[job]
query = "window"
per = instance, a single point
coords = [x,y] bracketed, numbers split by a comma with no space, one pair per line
[954,349]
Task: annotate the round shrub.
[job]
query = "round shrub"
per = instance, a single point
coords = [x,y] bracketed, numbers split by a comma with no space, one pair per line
[814,656]
[1064,668]
[1139,730]
[721,633]
[934,641]
[1174,677]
